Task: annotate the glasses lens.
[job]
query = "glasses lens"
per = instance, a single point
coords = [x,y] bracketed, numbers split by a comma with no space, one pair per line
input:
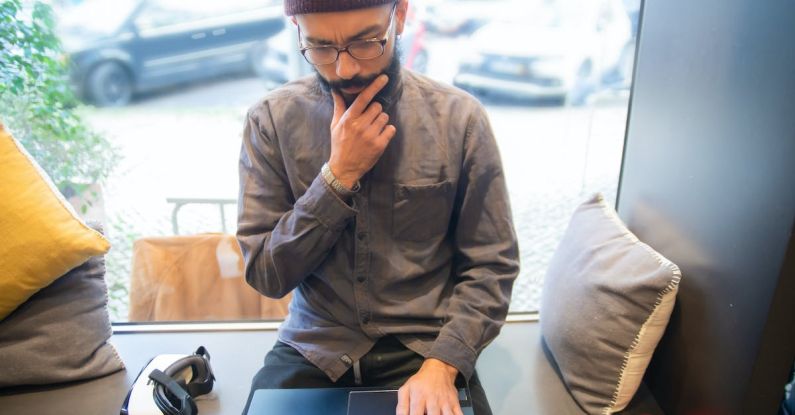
[321,55]
[366,49]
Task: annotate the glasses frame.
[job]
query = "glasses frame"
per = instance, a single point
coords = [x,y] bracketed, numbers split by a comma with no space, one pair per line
[346,48]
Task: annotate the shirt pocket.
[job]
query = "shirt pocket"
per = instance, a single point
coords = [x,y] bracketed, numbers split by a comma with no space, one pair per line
[422,212]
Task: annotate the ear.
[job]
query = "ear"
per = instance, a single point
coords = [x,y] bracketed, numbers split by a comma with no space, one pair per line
[400,16]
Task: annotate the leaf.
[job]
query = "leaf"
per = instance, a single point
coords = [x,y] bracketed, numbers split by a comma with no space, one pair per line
[37,101]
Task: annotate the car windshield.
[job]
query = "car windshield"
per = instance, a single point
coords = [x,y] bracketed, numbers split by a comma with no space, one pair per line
[100,17]
[547,13]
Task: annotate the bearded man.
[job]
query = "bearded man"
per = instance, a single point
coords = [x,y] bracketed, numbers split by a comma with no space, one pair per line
[377,197]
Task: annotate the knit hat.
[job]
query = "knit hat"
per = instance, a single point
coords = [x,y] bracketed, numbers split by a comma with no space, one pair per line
[293,7]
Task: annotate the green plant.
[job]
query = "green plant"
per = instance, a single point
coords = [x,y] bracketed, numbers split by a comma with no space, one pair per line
[37,104]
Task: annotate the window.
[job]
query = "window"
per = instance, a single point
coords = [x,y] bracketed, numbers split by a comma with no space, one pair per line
[554,76]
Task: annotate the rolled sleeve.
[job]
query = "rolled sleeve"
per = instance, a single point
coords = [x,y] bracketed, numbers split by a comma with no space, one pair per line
[454,352]
[323,203]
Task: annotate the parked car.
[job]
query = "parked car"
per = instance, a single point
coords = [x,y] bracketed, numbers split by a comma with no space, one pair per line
[558,50]
[457,17]
[281,60]
[122,47]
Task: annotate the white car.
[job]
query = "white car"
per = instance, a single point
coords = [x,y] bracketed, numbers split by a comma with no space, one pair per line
[559,50]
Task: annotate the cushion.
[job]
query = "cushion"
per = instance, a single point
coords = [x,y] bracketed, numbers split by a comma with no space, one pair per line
[41,237]
[61,333]
[605,304]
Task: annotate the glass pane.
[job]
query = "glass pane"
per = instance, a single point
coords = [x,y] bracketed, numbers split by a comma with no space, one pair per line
[555,79]
[553,75]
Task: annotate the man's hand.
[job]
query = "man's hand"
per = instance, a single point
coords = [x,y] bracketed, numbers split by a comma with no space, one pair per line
[359,134]
[430,391]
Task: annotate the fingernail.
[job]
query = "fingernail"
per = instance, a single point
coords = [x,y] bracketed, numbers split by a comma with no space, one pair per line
[385,77]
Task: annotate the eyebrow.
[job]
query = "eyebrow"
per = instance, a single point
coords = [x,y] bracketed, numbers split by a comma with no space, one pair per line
[369,30]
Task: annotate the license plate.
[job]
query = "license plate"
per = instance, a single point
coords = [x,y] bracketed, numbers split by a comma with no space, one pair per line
[509,68]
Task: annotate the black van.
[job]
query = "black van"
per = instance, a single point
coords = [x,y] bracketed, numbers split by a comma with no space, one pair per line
[119,48]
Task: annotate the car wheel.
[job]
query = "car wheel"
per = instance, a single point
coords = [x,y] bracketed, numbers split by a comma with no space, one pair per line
[110,85]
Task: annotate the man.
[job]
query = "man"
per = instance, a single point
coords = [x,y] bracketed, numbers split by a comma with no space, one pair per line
[377,197]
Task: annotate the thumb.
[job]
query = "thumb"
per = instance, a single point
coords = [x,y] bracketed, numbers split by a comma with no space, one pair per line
[339,107]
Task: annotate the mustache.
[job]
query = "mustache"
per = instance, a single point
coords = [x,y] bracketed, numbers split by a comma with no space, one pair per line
[392,69]
[355,82]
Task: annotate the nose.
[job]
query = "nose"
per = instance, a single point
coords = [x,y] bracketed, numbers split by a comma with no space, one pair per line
[347,66]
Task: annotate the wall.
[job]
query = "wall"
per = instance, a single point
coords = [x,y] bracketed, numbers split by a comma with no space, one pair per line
[708,180]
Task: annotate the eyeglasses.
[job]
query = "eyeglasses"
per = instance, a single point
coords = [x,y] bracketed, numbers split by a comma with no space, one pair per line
[359,49]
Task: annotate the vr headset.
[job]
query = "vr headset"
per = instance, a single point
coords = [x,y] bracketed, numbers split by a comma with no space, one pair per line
[168,385]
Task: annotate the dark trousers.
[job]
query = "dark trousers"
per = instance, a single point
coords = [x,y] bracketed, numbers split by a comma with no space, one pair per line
[388,364]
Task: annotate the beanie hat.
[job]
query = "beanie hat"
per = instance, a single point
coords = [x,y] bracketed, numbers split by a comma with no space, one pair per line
[293,7]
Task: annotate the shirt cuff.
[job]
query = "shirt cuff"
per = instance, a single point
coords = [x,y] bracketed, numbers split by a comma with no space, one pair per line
[322,202]
[454,352]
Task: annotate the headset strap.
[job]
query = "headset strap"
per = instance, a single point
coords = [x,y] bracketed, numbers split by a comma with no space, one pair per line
[202,388]
[199,388]
[172,386]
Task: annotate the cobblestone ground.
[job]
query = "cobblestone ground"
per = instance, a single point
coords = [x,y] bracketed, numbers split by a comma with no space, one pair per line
[554,158]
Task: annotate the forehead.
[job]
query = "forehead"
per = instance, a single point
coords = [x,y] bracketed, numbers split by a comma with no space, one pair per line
[337,27]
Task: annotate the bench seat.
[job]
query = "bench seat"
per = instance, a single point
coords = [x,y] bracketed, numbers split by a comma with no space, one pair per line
[514,369]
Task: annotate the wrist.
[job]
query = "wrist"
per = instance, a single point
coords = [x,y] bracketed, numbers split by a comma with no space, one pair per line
[436,364]
[343,188]
[347,179]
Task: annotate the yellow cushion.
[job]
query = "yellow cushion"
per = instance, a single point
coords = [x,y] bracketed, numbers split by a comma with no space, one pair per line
[41,236]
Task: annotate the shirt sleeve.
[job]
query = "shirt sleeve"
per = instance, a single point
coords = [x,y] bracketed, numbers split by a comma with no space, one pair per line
[283,239]
[486,260]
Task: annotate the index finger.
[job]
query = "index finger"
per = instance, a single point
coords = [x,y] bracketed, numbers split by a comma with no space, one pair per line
[363,100]
[339,107]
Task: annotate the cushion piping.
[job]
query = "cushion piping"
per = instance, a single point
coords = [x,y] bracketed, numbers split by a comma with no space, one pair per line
[677,276]
[110,325]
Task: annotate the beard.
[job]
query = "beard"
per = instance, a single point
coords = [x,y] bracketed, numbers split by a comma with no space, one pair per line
[392,70]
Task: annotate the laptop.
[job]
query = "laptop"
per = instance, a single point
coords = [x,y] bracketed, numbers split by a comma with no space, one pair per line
[332,401]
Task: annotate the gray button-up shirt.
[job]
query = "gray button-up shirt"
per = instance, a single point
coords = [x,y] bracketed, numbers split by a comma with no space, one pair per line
[426,250]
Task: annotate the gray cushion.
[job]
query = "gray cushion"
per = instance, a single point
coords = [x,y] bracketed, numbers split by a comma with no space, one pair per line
[606,300]
[61,333]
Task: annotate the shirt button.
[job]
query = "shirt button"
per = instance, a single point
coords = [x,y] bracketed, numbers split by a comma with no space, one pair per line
[361,278]
[366,318]
[361,235]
